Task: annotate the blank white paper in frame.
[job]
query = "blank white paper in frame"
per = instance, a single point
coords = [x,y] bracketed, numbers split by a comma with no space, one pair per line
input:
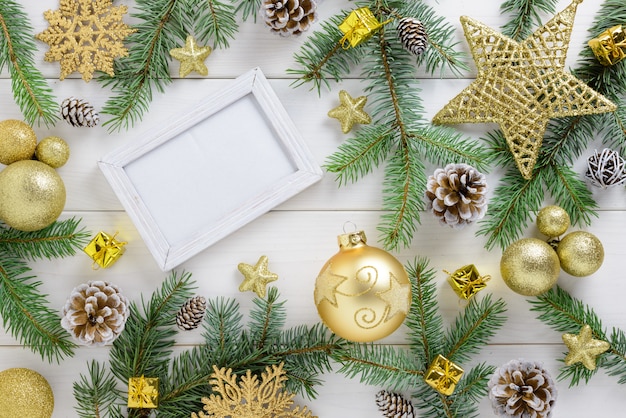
[188,185]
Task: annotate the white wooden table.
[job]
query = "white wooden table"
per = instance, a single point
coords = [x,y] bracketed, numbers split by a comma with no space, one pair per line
[300,235]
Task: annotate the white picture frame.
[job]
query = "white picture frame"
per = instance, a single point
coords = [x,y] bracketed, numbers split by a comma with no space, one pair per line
[211,171]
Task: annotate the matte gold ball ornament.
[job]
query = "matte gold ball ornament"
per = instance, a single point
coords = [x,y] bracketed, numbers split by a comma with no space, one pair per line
[17,141]
[25,393]
[553,221]
[530,267]
[581,253]
[362,293]
[53,151]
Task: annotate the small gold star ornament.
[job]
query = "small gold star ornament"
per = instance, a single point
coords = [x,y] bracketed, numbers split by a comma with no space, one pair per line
[192,57]
[350,111]
[583,348]
[256,277]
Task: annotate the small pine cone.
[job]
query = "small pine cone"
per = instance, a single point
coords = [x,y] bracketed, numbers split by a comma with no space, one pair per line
[289,17]
[191,313]
[521,389]
[95,313]
[79,113]
[412,34]
[393,405]
[607,169]
[457,194]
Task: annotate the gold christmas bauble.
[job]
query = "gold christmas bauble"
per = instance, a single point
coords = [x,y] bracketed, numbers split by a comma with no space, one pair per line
[581,253]
[53,151]
[553,221]
[17,141]
[362,293]
[530,266]
[25,393]
[32,195]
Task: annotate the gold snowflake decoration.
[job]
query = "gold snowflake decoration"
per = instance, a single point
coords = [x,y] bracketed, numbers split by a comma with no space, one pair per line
[85,36]
[250,398]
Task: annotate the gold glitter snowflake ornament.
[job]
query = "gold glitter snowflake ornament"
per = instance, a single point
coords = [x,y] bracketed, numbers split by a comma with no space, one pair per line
[85,36]
[249,397]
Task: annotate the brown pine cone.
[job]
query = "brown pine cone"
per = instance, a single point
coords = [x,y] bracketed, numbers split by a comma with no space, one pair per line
[412,34]
[79,113]
[289,17]
[191,313]
[95,313]
[457,194]
[393,405]
[521,389]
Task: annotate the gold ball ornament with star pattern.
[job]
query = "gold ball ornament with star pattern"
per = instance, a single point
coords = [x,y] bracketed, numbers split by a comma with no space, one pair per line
[362,293]
[25,393]
[530,267]
[17,141]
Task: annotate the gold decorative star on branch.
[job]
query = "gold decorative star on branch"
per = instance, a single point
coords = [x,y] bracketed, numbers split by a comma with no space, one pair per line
[191,57]
[350,111]
[256,277]
[521,85]
[583,348]
[327,284]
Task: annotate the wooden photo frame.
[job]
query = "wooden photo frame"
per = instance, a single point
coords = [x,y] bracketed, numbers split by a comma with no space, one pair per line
[212,170]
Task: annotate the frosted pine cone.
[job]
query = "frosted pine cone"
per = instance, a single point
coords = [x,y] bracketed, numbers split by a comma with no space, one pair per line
[456,194]
[522,389]
[79,113]
[95,313]
[289,17]
[191,313]
[393,405]
[412,34]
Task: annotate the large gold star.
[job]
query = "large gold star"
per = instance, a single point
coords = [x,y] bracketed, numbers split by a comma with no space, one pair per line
[397,297]
[350,111]
[326,286]
[191,57]
[583,348]
[522,85]
[256,277]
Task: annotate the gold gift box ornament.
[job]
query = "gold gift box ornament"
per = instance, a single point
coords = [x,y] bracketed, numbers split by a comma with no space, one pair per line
[466,281]
[610,46]
[143,392]
[104,249]
[359,26]
[443,375]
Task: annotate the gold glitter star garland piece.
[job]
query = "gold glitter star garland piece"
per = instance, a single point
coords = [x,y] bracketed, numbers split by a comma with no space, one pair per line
[521,85]
[583,348]
[256,277]
[85,36]
[350,111]
[192,57]
[250,398]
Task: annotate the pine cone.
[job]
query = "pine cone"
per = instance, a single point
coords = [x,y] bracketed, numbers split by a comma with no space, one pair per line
[95,313]
[393,405]
[522,389]
[78,112]
[191,313]
[289,17]
[412,34]
[607,169]
[456,194]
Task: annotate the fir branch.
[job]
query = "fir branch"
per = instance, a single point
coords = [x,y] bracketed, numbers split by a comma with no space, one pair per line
[570,192]
[96,394]
[222,332]
[248,8]
[266,319]
[215,20]
[526,15]
[17,49]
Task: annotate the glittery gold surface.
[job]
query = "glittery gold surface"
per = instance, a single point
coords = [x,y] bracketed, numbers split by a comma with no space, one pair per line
[25,393]
[553,221]
[358,27]
[530,267]
[192,57]
[443,375]
[143,392]
[583,348]
[104,249]
[32,195]
[467,281]
[581,253]
[17,141]
[256,277]
[362,293]
[610,46]
[350,111]
[521,85]
[53,151]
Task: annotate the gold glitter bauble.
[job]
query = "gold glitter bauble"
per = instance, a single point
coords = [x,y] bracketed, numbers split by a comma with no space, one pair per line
[362,293]
[17,141]
[553,221]
[32,195]
[581,253]
[53,151]
[530,267]
[25,393]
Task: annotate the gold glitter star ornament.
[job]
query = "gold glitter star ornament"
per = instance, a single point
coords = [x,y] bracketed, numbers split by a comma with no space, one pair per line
[583,348]
[191,57]
[350,111]
[256,277]
[85,36]
[521,85]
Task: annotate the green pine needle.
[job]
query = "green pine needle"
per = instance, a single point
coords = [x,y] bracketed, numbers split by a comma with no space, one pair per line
[526,16]
[96,394]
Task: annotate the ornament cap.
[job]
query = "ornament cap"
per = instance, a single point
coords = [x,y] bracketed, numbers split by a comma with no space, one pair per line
[351,240]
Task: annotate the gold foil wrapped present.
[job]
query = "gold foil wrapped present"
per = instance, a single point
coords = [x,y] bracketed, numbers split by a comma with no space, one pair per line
[443,375]
[359,26]
[104,249]
[610,46]
[143,392]
[466,281]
